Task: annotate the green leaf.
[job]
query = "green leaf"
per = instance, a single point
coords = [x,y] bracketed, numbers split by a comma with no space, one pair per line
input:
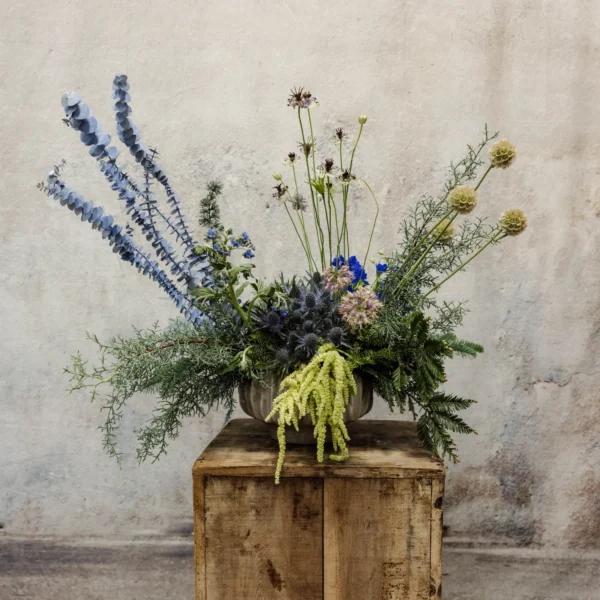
[399,378]
[203,292]
[240,289]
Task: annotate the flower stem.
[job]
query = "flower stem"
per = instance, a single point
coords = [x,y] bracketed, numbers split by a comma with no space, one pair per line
[425,236]
[497,237]
[374,223]
[483,177]
[316,212]
[426,251]
[236,304]
[298,234]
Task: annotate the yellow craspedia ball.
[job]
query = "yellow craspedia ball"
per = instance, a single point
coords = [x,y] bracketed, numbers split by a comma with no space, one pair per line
[463,199]
[444,231]
[503,154]
[513,221]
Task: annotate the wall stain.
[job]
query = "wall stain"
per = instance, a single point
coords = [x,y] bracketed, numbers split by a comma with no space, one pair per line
[274,576]
[583,532]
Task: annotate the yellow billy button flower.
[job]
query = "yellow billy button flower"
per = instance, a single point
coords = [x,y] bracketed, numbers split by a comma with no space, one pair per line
[463,199]
[503,154]
[445,231]
[362,119]
[513,221]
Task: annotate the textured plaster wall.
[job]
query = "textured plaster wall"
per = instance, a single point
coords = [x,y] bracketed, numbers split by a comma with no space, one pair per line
[209,85]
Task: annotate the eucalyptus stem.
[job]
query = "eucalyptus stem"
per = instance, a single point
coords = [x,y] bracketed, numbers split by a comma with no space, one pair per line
[497,237]
[374,223]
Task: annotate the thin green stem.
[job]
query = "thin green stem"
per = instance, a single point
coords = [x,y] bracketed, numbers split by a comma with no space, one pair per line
[236,305]
[355,146]
[426,252]
[334,215]
[374,223]
[295,178]
[422,240]
[297,233]
[316,212]
[312,137]
[483,177]
[497,237]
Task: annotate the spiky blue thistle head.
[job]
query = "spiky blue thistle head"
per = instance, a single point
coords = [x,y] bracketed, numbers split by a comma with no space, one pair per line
[308,343]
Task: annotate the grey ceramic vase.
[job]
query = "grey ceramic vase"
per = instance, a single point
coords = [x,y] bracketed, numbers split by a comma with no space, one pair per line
[257,402]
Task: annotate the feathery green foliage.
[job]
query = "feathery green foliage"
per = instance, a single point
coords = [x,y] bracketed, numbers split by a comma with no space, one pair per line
[210,213]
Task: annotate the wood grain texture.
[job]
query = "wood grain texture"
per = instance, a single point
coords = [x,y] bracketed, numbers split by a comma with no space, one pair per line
[377,539]
[437,526]
[378,449]
[263,542]
[199,548]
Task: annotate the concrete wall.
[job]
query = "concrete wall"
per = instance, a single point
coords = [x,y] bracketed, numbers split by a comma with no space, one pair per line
[210,81]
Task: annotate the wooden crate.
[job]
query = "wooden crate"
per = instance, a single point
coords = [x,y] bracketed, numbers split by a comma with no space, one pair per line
[366,529]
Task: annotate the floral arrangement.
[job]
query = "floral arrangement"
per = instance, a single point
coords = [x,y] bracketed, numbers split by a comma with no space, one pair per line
[316,332]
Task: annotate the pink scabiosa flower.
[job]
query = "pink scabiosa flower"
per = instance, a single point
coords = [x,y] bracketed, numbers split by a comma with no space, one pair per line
[359,308]
[337,279]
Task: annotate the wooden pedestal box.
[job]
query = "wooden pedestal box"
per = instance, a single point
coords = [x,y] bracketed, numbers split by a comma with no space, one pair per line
[366,529]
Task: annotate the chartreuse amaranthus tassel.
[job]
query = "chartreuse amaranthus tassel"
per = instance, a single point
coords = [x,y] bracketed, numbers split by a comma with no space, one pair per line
[322,389]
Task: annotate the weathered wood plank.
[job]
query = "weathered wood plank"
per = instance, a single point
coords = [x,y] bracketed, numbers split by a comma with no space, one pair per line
[377,539]
[437,525]
[263,542]
[378,449]
[199,548]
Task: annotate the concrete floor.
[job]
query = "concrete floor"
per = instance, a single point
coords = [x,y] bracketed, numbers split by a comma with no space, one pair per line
[95,570]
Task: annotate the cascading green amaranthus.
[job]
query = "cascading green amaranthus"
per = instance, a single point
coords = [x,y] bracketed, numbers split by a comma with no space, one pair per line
[321,389]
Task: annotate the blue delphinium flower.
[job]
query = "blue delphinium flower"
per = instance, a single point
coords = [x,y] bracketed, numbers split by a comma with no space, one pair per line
[248,254]
[234,243]
[211,233]
[381,267]
[357,270]
[245,236]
